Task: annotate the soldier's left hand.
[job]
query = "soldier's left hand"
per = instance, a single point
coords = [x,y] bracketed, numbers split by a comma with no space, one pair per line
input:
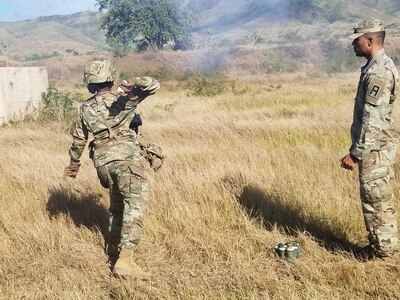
[349,162]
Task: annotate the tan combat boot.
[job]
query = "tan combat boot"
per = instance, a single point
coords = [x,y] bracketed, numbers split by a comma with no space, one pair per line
[125,267]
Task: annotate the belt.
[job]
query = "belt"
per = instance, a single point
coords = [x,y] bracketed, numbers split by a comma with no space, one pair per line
[97,144]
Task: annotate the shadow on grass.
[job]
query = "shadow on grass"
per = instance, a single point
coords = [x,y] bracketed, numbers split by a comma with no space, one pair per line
[85,209]
[274,211]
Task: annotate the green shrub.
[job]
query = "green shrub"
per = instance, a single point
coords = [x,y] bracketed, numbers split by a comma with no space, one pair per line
[42,56]
[199,83]
[58,105]
[252,38]
[72,52]
[278,61]
[207,86]
[161,74]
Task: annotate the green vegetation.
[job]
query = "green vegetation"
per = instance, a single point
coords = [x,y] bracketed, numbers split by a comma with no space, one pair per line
[253,37]
[207,86]
[42,56]
[338,58]
[58,106]
[161,73]
[277,61]
[148,23]
[72,52]
[118,48]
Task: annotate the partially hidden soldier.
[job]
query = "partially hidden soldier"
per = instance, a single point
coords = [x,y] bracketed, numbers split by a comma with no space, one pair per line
[117,156]
[374,142]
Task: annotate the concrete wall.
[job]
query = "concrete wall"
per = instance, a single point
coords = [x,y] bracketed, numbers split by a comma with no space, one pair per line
[20,90]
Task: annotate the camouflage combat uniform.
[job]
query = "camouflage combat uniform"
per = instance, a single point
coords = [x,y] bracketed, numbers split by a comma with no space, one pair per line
[117,157]
[374,143]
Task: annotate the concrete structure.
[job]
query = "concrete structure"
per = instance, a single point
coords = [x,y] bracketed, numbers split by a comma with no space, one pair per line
[21,91]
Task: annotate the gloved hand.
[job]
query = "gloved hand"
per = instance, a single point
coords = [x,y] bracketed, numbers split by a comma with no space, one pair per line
[72,169]
[126,86]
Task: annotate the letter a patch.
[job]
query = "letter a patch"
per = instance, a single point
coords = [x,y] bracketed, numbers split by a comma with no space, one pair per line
[375,90]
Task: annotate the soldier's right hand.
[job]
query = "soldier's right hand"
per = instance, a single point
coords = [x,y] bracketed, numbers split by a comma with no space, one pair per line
[349,162]
[126,85]
[72,169]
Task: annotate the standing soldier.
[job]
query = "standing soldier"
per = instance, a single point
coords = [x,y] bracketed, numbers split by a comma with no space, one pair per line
[374,143]
[116,154]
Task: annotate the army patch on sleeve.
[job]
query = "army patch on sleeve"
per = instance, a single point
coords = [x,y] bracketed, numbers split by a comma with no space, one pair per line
[375,90]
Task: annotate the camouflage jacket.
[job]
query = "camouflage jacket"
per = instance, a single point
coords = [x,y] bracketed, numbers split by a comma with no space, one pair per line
[108,116]
[377,90]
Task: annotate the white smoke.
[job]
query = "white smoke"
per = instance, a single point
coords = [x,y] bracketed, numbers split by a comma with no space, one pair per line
[223,13]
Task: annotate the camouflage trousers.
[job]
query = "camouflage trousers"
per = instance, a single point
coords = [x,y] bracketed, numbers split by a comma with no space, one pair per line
[128,200]
[376,176]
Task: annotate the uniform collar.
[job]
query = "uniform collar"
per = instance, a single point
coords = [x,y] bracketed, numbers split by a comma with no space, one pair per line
[377,56]
[108,98]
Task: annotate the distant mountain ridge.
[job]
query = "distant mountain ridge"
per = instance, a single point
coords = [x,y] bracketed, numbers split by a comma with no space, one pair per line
[226,12]
[219,22]
[74,34]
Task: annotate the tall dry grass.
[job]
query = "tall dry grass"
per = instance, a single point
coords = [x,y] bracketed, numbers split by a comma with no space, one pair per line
[243,172]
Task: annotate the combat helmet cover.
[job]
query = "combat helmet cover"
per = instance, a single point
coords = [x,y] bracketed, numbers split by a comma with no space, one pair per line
[367,26]
[99,71]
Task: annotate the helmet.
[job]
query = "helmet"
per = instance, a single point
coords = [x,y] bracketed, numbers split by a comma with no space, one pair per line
[99,71]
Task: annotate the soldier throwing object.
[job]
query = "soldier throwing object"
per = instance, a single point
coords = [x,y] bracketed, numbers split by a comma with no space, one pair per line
[116,154]
[374,142]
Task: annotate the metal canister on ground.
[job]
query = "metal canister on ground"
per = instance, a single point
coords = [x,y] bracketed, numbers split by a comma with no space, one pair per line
[296,245]
[288,251]
[280,250]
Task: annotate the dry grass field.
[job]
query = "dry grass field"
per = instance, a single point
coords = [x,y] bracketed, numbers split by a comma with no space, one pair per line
[244,170]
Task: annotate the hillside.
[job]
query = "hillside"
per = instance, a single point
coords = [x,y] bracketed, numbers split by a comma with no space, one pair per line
[219,23]
[226,16]
[237,36]
[239,12]
[50,36]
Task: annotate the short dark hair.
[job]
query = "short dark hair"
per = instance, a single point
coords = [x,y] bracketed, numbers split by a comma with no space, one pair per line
[103,85]
[378,36]
[95,87]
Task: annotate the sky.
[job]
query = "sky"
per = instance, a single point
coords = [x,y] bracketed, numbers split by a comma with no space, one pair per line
[17,10]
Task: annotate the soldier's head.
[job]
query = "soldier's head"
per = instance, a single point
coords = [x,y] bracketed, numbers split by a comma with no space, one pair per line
[99,74]
[368,38]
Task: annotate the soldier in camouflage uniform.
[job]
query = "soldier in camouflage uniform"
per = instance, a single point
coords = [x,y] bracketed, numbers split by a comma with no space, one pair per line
[374,143]
[116,154]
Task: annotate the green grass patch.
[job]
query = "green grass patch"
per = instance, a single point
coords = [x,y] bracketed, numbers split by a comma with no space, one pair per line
[42,56]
